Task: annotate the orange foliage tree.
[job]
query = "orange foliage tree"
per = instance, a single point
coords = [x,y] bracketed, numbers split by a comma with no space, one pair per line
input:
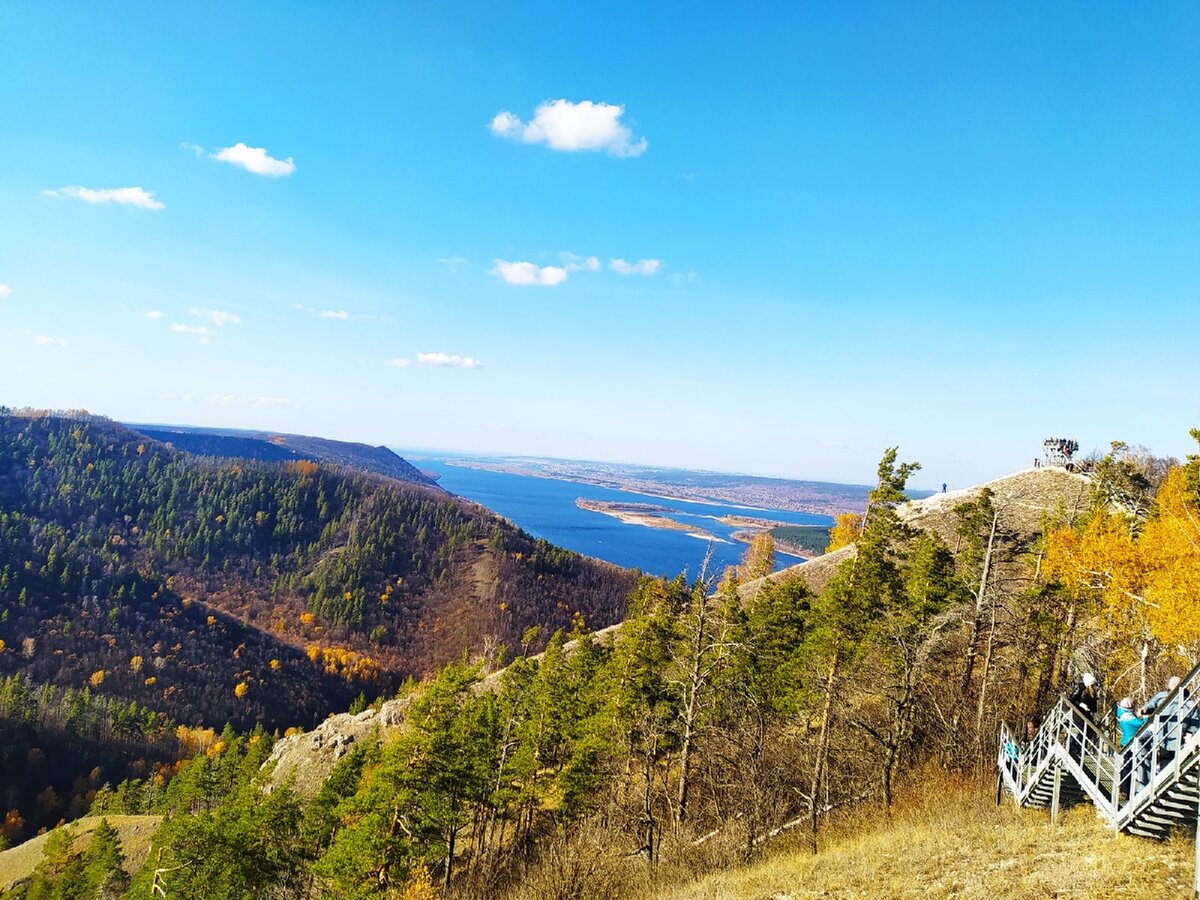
[1144,576]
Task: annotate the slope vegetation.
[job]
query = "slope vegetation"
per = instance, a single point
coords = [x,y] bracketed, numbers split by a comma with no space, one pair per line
[220,590]
[951,840]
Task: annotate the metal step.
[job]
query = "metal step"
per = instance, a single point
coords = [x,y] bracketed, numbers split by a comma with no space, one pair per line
[1147,831]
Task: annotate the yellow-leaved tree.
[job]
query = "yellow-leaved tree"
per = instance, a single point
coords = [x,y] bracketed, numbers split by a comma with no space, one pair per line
[1144,576]
[845,531]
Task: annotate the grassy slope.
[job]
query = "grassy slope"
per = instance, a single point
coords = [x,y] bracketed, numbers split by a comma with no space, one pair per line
[957,843]
[135,833]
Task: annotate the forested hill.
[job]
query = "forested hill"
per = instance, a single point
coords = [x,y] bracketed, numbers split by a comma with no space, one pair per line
[222,590]
[270,446]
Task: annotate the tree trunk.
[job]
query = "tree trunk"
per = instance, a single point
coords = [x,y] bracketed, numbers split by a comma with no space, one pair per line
[692,708]
[823,741]
[977,622]
[983,683]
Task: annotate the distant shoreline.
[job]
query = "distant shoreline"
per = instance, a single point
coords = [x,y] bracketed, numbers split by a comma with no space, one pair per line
[733,496]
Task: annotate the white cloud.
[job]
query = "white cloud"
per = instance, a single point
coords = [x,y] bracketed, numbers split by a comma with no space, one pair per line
[680,278]
[153,314]
[42,341]
[195,148]
[339,314]
[398,363]
[5,291]
[256,160]
[527,273]
[574,263]
[453,262]
[181,328]
[217,317]
[567,126]
[641,267]
[126,196]
[447,360]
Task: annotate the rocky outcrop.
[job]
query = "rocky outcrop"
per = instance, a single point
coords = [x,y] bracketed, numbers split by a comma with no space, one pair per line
[308,758]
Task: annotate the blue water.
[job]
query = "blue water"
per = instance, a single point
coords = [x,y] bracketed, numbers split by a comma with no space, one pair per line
[545,507]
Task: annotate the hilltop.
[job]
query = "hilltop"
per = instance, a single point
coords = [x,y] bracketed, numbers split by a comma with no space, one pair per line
[1024,500]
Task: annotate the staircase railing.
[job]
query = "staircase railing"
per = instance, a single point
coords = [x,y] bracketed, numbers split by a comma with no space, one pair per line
[1144,787]
[1165,749]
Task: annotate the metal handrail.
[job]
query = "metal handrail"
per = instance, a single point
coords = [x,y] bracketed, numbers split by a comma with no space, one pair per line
[1121,781]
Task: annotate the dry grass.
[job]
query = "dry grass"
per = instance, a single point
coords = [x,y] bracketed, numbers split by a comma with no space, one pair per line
[957,843]
[135,832]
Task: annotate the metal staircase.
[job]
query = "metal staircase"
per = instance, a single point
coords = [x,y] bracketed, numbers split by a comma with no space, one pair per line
[1147,788]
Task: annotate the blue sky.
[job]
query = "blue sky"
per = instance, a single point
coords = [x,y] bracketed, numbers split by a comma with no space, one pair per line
[775,241]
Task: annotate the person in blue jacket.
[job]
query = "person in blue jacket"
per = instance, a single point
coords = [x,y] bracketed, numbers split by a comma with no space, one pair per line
[1128,720]
[1129,723]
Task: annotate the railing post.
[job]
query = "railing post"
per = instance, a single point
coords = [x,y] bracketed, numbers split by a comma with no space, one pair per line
[1116,789]
[1057,790]
[1196,885]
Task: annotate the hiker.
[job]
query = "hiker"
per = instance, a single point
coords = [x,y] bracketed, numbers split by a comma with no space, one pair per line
[1157,700]
[1129,723]
[1083,697]
[1168,717]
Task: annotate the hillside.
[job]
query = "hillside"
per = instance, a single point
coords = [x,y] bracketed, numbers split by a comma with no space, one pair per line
[305,583]
[273,447]
[1023,499]
[656,758]
[218,590]
[952,840]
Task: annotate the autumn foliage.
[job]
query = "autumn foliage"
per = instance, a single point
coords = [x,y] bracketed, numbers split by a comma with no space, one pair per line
[1144,576]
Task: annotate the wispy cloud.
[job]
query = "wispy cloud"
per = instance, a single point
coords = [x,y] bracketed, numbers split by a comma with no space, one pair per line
[42,341]
[216,317]
[194,148]
[447,360]
[453,262]
[567,126]
[153,314]
[574,263]
[5,291]
[641,267]
[681,278]
[126,196]
[338,314]
[527,273]
[254,159]
[398,362]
